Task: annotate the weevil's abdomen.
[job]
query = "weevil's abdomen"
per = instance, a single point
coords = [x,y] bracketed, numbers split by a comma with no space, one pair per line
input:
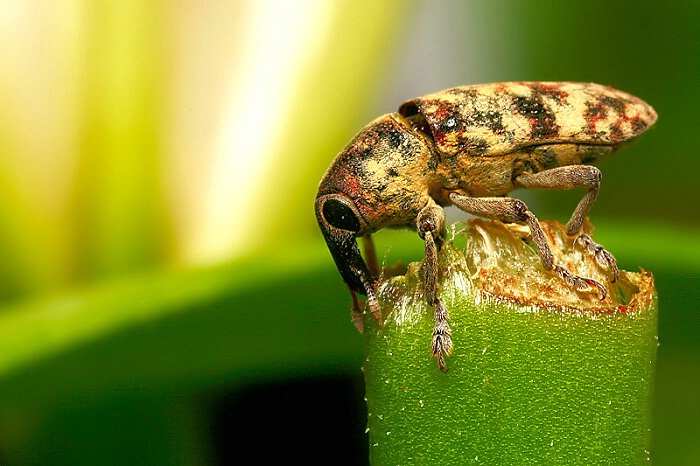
[502,118]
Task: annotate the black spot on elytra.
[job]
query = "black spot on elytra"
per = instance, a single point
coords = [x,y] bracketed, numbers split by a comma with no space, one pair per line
[392,172]
[466,93]
[616,104]
[448,119]
[595,111]
[638,125]
[493,120]
[472,145]
[616,133]
[543,123]
[363,153]
[552,91]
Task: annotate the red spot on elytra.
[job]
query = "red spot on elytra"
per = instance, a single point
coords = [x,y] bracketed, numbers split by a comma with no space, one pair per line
[593,114]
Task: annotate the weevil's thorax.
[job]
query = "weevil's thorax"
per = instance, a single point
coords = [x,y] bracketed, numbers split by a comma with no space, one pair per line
[386,170]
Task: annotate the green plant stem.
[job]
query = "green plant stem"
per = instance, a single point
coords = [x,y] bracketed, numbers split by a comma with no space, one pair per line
[527,383]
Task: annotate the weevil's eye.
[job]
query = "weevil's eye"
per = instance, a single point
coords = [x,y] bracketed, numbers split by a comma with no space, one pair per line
[340,215]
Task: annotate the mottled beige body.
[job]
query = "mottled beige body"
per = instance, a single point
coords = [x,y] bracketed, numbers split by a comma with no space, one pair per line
[470,146]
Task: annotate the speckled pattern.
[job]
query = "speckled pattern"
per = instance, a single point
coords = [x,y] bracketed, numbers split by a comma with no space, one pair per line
[479,141]
[496,119]
[476,140]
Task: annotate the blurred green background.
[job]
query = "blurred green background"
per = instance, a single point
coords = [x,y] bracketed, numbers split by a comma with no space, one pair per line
[166,297]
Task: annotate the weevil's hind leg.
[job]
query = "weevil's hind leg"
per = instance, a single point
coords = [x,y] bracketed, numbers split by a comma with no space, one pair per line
[512,210]
[602,256]
[569,177]
[430,223]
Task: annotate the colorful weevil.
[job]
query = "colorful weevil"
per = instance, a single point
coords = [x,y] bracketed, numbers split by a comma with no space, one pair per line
[470,146]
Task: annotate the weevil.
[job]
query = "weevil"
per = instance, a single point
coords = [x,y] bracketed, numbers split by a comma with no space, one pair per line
[470,146]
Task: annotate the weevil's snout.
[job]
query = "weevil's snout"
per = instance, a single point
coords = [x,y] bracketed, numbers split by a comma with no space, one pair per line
[340,223]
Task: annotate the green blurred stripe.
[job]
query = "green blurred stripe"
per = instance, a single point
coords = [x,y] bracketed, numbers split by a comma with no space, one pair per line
[117,200]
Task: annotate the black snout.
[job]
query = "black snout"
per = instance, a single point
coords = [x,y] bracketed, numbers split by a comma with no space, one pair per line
[337,222]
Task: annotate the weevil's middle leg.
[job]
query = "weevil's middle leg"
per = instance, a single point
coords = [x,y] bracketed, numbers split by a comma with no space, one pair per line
[512,210]
[568,177]
[430,223]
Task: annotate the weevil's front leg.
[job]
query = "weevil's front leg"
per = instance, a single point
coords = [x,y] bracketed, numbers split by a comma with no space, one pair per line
[356,312]
[569,177]
[512,210]
[370,288]
[370,256]
[430,224]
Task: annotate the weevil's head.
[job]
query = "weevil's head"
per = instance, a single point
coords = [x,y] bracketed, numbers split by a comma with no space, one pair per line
[380,179]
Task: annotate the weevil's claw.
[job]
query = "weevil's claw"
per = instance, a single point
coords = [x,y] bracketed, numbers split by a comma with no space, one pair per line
[596,284]
[357,313]
[442,341]
[358,318]
[580,283]
[602,256]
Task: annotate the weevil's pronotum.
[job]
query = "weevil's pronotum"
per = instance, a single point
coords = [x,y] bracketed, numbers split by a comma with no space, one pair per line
[470,146]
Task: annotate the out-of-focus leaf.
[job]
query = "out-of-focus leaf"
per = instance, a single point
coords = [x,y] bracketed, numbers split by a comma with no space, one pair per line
[281,314]
[265,314]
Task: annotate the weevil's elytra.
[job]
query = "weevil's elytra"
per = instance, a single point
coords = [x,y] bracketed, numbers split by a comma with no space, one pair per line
[470,146]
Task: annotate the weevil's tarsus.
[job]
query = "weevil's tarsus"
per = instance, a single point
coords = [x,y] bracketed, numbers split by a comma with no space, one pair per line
[374,307]
[602,256]
[357,312]
[430,225]
[441,345]
[580,283]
